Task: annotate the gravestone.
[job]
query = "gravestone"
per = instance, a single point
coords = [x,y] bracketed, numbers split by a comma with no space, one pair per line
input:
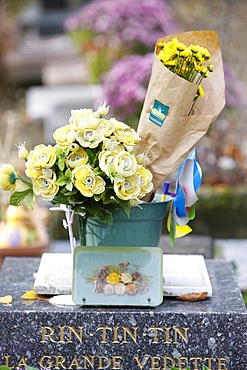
[179,333]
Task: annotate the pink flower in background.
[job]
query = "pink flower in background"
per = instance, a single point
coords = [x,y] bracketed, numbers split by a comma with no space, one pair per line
[140,22]
[125,85]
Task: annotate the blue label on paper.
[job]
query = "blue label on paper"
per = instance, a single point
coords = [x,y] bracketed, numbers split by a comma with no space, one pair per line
[158,113]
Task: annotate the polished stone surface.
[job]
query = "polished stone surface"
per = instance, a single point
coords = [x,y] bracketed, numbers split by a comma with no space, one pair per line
[212,331]
[235,251]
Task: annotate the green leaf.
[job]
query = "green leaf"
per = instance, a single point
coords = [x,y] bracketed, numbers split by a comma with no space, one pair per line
[61,163]
[60,198]
[69,186]
[97,171]
[108,218]
[31,368]
[92,157]
[125,205]
[29,200]
[69,193]
[97,197]
[113,174]
[65,179]
[3,367]
[61,181]
[18,197]
[61,155]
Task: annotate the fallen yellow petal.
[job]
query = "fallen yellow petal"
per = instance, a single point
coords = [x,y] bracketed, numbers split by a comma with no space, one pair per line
[7,299]
[29,295]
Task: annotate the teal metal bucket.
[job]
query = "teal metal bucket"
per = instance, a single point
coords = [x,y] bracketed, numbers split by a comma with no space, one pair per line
[142,229]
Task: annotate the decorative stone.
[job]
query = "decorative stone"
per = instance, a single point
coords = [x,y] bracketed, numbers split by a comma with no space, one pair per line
[182,274]
[211,332]
[54,274]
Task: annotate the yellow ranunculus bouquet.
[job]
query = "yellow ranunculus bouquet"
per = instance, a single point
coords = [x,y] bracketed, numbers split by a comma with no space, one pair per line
[91,168]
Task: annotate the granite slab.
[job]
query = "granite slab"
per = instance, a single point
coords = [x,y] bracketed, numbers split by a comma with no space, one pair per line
[182,274]
[235,251]
[211,332]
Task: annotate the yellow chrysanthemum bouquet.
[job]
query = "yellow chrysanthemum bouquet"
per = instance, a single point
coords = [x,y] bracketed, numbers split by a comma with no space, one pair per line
[91,168]
[189,62]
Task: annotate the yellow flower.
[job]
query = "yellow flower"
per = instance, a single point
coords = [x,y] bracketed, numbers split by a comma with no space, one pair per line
[86,182]
[106,126]
[33,172]
[195,48]
[125,164]
[77,158]
[105,160]
[141,159]
[8,177]
[125,134]
[205,53]
[82,119]
[89,138]
[181,46]
[128,189]
[81,112]
[185,53]
[165,56]
[200,91]
[64,136]
[47,172]
[210,68]
[112,144]
[74,147]
[46,187]
[22,151]
[145,181]
[41,156]
[113,278]
[170,63]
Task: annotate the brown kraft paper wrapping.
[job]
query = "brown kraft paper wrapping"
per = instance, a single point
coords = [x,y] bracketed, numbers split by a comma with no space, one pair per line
[167,146]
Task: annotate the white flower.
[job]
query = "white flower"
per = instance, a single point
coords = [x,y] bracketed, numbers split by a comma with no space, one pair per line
[77,158]
[105,160]
[112,144]
[145,180]
[109,289]
[80,120]
[64,136]
[126,278]
[89,138]
[22,151]
[106,126]
[120,289]
[125,134]
[125,164]
[128,189]
[103,110]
